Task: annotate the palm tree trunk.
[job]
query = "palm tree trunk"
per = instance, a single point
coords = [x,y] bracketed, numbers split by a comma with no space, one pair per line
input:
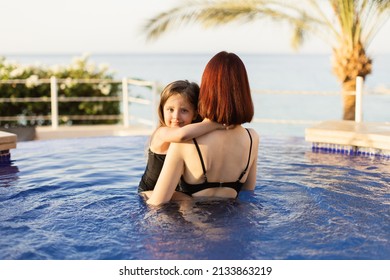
[348,64]
[349,100]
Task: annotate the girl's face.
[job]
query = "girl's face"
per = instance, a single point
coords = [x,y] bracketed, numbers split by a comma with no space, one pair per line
[178,111]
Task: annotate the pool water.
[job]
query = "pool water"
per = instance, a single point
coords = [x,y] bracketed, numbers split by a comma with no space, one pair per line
[77,199]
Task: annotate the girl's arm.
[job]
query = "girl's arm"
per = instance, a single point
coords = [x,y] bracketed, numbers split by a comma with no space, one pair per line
[193,130]
[169,177]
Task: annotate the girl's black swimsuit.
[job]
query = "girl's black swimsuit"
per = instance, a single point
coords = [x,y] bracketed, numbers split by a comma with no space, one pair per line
[152,171]
[190,189]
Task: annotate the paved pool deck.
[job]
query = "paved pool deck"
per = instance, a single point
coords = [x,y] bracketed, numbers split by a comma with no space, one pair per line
[9,140]
[45,133]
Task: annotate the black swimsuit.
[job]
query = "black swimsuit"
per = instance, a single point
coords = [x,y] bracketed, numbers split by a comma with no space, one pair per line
[190,189]
[152,171]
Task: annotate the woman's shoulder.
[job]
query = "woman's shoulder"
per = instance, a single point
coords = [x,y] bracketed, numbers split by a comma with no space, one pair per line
[253,133]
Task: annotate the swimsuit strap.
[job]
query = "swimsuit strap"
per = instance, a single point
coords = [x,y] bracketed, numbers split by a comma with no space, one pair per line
[204,168]
[201,159]
[249,157]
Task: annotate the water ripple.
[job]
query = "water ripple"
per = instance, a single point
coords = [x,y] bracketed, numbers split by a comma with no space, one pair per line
[77,199]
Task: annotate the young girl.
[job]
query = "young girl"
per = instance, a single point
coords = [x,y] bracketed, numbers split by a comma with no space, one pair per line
[179,121]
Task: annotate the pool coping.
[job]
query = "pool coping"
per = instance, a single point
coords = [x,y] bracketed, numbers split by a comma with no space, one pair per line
[83,131]
[374,136]
[7,142]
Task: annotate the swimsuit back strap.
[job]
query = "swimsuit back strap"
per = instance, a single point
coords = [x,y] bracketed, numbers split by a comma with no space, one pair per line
[249,157]
[201,159]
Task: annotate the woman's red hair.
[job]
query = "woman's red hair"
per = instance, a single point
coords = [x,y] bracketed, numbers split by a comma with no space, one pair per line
[225,95]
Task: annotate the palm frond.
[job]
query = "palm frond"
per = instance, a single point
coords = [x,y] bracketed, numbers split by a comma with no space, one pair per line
[298,37]
[207,13]
[214,13]
[374,15]
[357,21]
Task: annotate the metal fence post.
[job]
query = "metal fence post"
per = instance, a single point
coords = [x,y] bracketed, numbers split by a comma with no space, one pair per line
[154,104]
[359,97]
[125,101]
[54,102]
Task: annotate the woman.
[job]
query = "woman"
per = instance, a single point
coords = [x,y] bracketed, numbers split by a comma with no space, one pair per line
[223,162]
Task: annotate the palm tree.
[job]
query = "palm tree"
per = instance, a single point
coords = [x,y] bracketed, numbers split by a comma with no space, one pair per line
[349,27]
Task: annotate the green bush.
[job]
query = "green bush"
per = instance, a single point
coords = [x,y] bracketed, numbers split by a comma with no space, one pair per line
[80,68]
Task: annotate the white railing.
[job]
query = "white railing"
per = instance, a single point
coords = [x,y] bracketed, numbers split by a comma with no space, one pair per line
[126,99]
[54,99]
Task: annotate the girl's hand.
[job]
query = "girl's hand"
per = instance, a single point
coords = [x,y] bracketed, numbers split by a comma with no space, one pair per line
[219,126]
[227,127]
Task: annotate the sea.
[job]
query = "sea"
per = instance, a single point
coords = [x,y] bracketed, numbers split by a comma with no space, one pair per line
[290,91]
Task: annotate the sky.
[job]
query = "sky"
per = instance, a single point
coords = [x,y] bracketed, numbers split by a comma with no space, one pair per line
[115,26]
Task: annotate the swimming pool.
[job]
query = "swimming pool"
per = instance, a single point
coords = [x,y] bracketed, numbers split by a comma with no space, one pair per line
[77,199]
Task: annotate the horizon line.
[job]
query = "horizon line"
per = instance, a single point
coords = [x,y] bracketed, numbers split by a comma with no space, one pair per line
[90,53]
